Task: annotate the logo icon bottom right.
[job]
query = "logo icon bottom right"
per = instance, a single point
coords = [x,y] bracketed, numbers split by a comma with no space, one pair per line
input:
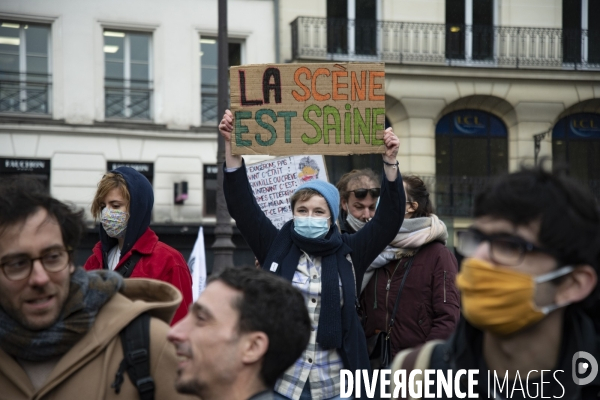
[581,367]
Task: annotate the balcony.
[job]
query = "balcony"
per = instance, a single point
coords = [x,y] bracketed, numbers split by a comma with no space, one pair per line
[455,196]
[337,39]
[128,99]
[25,93]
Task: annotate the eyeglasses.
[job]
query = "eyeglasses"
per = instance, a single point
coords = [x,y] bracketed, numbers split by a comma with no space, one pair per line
[362,193]
[504,249]
[19,267]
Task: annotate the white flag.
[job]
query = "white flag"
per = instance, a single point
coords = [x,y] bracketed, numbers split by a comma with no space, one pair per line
[197,265]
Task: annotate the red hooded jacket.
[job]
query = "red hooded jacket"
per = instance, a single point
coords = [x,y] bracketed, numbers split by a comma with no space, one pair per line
[159,261]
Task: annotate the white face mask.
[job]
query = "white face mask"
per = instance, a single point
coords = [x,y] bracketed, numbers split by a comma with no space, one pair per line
[354,222]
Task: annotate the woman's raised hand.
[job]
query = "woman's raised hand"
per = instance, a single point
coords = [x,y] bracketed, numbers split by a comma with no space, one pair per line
[226,129]
[392,143]
[226,125]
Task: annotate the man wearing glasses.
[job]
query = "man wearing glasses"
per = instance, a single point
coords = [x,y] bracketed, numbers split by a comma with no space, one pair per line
[59,325]
[528,291]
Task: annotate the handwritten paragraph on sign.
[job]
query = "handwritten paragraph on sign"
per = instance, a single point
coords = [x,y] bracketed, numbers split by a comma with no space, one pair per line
[290,109]
[274,181]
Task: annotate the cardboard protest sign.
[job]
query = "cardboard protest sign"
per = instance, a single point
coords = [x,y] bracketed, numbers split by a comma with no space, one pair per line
[274,181]
[287,109]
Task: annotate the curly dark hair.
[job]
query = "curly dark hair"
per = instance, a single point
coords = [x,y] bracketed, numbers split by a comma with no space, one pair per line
[22,197]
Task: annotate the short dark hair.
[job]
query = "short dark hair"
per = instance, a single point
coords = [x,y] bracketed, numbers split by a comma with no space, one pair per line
[569,215]
[417,192]
[22,197]
[271,305]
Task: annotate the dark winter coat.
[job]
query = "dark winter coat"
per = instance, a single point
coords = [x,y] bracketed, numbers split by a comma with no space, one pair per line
[429,306]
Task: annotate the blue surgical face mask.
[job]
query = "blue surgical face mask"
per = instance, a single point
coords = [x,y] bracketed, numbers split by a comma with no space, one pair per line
[311,227]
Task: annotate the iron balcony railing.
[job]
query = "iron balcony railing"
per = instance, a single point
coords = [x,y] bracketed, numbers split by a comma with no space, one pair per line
[128,99]
[454,196]
[339,39]
[25,93]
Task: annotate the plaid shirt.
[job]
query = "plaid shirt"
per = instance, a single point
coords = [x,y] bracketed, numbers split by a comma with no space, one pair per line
[321,367]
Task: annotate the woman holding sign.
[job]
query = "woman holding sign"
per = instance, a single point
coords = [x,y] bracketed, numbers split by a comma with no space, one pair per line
[325,265]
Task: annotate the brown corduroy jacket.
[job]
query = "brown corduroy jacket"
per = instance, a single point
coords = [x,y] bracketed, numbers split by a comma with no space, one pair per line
[89,368]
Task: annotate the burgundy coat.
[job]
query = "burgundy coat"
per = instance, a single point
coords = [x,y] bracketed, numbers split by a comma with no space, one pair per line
[159,261]
[429,305]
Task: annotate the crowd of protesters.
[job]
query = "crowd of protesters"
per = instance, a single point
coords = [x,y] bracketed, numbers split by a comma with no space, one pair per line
[360,264]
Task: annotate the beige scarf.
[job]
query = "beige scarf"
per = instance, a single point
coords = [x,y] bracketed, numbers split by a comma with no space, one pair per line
[413,233]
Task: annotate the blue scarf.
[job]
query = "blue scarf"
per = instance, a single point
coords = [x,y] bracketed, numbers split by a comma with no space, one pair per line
[88,292]
[286,250]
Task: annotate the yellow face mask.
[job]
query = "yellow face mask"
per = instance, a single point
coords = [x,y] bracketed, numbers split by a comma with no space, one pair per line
[500,300]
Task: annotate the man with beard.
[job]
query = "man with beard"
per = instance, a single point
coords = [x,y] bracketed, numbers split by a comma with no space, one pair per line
[60,325]
[243,332]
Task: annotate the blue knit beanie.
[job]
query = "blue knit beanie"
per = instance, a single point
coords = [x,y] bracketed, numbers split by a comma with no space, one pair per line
[329,192]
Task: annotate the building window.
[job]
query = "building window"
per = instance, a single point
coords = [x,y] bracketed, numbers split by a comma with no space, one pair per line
[593,33]
[210,190]
[470,29]
[365,30]
[337,26]
[127,83]
[455,29]
[576,142]
[580,31]
[571,24]
[360,23]
[209,80]
[25,79]
[483,30]
[470,147]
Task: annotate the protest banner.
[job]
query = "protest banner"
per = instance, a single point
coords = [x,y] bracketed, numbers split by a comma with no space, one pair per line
[274,181]
[291,109]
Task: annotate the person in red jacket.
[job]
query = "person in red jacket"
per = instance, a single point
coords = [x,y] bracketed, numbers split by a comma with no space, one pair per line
[123,204]
[428,307]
